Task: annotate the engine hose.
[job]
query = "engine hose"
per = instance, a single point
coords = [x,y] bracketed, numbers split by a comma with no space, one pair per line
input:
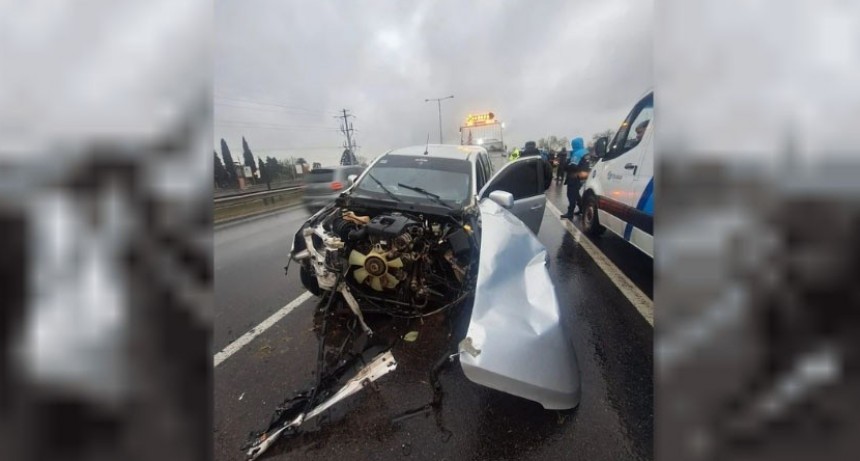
[414,315]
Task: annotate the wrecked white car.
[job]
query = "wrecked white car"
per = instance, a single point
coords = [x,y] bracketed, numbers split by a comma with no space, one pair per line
[428,230]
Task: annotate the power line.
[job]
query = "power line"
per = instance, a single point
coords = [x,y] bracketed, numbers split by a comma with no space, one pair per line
[273,110]
[275,126]
[264,149]
[264,103]
[234,101]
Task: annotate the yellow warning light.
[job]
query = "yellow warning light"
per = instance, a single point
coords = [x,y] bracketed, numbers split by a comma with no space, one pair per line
[480,119]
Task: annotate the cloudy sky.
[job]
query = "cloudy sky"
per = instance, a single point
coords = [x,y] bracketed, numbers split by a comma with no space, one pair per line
[283,70]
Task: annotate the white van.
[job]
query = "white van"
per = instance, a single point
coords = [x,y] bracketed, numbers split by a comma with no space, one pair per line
[619,192]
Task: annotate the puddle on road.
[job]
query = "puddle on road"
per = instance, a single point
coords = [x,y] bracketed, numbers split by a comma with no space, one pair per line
[608,337]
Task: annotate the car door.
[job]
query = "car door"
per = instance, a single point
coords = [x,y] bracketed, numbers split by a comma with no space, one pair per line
[523,178]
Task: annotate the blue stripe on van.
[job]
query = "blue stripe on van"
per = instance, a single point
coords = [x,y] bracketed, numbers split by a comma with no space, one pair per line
[646,205]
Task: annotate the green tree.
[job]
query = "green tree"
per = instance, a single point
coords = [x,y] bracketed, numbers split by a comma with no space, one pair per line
[564,142]
[229,164]
[221,176]
[607,133]
[248,157]
[289,168]
[264,175]
[274,168]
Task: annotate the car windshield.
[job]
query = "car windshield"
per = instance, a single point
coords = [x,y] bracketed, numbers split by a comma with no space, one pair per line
[450,179]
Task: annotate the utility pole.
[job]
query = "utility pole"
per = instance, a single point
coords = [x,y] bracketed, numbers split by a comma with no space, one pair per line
[439,103]
[348,157]
[347,128]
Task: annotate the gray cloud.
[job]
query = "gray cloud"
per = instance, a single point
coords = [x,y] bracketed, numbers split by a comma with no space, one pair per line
[552,67]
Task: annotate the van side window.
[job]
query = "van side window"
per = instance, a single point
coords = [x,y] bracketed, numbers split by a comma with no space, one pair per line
[638,127]
[634,127]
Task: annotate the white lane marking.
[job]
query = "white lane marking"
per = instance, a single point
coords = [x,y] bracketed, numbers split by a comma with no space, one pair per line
[642,303]
[243,341]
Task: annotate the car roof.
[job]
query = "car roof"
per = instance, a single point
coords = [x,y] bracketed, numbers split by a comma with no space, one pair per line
[452,151]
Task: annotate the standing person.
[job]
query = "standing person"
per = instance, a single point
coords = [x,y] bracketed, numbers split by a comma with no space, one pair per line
[562,164]
[574,168]
[529,150]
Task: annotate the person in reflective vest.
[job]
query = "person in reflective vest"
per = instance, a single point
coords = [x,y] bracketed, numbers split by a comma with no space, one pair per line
[514,155]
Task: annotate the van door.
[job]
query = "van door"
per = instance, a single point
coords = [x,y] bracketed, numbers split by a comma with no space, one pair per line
[625,166]
[523,178]
[640,227]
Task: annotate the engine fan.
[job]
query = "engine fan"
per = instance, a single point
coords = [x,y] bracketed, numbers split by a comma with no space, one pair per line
[375,268]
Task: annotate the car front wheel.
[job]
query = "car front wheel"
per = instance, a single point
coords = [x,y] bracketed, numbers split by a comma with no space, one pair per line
[590,222]
[309,280]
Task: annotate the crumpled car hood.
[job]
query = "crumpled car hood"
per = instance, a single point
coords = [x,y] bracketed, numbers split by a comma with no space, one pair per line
[515,342]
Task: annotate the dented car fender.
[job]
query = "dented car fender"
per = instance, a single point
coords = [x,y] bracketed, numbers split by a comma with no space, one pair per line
[515,342]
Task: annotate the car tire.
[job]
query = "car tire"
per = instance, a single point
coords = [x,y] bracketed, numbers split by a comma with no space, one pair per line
[590,222]
[309,281]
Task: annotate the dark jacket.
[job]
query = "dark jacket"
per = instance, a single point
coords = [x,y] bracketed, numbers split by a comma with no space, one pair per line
[572,171]
[562,158]
[530,152]
[547,168]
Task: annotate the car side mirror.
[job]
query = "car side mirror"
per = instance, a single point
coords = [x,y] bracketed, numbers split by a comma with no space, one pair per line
[505,199]
[351,178]
[600,146]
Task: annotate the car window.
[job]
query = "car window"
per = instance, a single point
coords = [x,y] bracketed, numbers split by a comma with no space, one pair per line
[520,179]
[481,171]
[630,134]
[488,166]
[320,175]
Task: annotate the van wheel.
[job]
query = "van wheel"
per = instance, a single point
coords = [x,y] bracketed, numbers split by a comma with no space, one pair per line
[590,222]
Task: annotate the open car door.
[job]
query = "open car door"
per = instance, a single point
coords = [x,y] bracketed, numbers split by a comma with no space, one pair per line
[522,178]
[516,342]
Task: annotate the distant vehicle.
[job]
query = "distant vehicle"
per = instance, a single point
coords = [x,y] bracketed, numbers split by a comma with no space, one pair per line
[619,192]
[323,185]
[483,130]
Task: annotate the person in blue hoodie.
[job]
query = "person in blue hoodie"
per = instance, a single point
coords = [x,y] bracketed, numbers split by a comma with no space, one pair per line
[575,166]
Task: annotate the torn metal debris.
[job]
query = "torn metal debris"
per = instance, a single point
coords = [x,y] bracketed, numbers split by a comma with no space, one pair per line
[288,420]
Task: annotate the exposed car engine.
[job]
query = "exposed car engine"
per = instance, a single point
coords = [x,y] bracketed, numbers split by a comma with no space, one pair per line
[397,263]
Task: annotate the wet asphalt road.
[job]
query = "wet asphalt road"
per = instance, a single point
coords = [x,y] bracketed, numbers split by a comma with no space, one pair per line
[613,343]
